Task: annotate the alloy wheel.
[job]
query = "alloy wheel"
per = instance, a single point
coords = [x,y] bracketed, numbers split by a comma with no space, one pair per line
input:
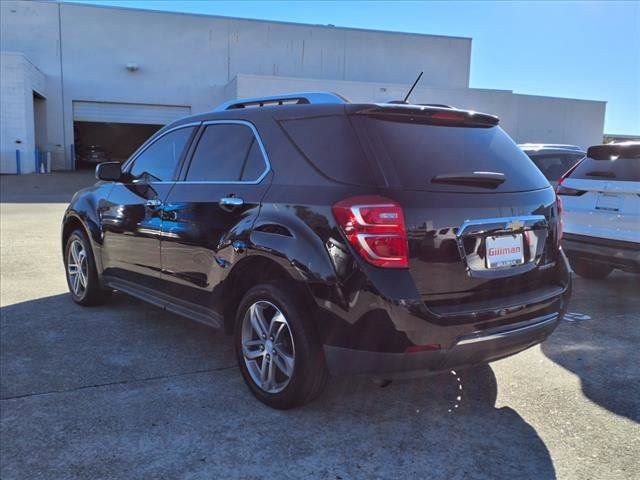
[77,268]
[267,346]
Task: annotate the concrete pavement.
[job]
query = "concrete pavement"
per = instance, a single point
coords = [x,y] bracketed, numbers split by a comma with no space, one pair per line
[126,390]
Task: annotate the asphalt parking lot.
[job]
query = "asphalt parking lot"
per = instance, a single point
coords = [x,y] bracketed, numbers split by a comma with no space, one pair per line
[126,390]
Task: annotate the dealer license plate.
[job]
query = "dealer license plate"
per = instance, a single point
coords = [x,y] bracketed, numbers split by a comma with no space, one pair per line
[504,251]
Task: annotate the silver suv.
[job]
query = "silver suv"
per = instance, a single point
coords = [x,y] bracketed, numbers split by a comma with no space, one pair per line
[553,159]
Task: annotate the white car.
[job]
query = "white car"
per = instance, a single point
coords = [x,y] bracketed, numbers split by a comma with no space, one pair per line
[601,210]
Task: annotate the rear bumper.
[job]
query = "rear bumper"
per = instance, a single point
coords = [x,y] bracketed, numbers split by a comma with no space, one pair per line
[476,348]
[616,253]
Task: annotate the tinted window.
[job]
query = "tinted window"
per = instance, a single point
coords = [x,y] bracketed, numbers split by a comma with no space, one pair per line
[158,161]
[620,169]
[329,143]
[226,153]
[416,153]
[553,166]
[254,166]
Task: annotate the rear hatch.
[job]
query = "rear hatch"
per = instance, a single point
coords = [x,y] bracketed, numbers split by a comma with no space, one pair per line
[481,218]
[601,196]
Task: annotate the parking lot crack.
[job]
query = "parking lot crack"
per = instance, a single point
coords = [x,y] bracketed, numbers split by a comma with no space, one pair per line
[119,382]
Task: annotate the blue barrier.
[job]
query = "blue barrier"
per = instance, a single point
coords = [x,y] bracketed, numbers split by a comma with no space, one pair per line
[17,161]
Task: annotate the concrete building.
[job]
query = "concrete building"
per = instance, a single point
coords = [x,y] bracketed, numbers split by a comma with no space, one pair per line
[74,75]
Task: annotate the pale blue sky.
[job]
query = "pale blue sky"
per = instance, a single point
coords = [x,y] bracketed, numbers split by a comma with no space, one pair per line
[587,50]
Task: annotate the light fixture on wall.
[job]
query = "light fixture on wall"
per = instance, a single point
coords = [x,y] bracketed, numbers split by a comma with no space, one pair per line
[132,67]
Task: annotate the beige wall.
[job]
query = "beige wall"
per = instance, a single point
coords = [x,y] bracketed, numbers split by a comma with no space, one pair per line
[526,118]
[199,61]
[189,59]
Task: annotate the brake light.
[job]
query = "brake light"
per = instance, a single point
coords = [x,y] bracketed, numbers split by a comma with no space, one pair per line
[449,116]
[375,228]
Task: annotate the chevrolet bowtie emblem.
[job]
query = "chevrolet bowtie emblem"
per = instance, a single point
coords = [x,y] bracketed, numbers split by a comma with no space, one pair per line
[515,225]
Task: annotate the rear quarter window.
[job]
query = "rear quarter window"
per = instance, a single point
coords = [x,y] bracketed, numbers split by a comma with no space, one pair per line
[417,152]
[620,169]
[330,145]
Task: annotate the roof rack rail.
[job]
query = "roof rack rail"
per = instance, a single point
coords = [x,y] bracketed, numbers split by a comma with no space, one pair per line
[287,99]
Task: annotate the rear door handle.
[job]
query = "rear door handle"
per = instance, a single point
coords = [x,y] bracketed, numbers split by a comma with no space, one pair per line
[154,203]
[231,202]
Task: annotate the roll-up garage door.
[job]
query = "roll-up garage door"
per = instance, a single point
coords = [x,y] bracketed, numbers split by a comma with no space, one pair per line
[107,112]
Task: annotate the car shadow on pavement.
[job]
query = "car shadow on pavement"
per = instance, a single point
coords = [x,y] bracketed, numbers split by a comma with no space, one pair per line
[51,344]
[603,351]
[128,390]
[447,421]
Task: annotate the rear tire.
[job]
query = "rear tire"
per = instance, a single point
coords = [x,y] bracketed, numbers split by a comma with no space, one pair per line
[278,352]
[591,270]
[82,275]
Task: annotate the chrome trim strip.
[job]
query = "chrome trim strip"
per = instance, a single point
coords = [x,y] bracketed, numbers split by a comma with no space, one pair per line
[310,97]
[543,321]
[355,209]
[363,243]
[503,222]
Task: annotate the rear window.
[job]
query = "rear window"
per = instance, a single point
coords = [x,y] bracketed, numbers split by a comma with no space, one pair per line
[417,153]
[329,143]
[618,169]
[553,166]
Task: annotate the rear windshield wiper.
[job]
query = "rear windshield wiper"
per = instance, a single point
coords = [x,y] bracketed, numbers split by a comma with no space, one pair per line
[600,173]
[473,179]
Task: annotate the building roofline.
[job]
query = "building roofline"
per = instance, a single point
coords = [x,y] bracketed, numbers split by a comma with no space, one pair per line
[626,136]
[369,83]
[560,98]
[280,22]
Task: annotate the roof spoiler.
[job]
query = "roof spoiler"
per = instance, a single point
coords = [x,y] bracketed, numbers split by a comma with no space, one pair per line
[434,115]
[611,151]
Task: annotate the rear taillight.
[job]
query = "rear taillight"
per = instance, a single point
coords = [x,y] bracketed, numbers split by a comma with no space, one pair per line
[375,228]
[562,190]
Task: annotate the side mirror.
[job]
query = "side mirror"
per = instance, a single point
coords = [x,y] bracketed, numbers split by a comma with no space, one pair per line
[109,171]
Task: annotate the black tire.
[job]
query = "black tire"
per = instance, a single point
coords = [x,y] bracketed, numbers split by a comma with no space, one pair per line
[92,293]
[309,371]
[591,270]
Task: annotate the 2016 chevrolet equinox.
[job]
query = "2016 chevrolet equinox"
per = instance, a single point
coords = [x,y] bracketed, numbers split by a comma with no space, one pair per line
[330,237]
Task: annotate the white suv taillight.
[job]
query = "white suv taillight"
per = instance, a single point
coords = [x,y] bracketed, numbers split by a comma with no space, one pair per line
[560,225]
[375,227]
[562,190]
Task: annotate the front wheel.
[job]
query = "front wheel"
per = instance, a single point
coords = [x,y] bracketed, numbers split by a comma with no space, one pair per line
[80,266]
[278,353]
[587,269]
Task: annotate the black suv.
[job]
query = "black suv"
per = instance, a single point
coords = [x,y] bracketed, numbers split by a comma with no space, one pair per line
[330,237]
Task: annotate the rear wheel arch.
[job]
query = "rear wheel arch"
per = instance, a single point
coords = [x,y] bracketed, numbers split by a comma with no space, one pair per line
[254,270]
